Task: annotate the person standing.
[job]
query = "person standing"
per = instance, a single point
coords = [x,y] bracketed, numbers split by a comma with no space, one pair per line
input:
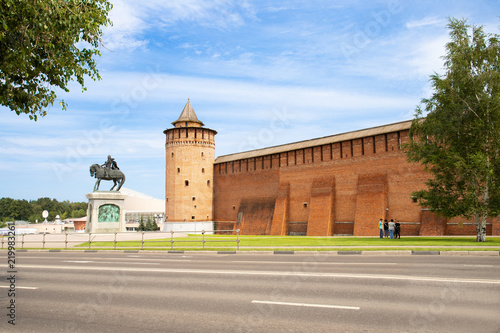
[381,228]
[391,228]
[397,229]
[386,229]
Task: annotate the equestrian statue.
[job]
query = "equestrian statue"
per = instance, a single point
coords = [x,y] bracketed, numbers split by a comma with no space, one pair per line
[107,171]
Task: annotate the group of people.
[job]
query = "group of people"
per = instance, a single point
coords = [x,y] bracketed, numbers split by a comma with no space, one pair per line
[389,229]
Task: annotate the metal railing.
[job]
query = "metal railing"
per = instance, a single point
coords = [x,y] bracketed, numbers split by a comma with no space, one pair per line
[112,240]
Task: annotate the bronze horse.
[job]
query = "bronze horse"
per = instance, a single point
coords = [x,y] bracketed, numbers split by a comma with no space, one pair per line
[115,175]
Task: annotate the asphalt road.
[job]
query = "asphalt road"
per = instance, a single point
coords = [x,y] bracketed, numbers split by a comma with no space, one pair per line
[161,292]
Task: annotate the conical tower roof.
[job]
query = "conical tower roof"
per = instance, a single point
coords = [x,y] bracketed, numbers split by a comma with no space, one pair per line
[188,115]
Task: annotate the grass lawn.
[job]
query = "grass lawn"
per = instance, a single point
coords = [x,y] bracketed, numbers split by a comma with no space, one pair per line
[221,242]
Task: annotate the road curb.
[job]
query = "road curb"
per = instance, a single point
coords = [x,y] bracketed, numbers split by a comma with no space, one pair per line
[432,253]
[349,252]
[454,253]
[387,253]
[284,252]
[484,253]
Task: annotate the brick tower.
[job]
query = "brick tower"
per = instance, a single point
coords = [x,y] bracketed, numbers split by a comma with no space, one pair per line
[190,154]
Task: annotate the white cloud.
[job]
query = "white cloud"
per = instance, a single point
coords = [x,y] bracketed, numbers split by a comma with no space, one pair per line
[128,26]
[426,21]
[132,19]
[131,91]
[426,56]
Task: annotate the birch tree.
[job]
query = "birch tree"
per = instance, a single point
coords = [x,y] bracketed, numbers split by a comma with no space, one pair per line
[456,132]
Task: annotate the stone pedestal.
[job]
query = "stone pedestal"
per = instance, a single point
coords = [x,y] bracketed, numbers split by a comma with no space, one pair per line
[105,212]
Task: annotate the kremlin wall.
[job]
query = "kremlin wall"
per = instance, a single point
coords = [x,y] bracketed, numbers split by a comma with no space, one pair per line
[335,185]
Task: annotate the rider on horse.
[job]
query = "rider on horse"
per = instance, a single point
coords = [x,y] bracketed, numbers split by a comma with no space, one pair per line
[110,164]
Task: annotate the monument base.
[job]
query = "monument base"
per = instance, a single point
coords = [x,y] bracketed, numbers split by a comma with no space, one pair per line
[189,227]
[105,212]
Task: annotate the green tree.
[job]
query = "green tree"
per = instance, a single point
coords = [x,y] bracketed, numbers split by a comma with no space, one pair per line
[149,225]
[45,44]
[141,226]
[5,209]
[20,210]
[457,131]
[78,213]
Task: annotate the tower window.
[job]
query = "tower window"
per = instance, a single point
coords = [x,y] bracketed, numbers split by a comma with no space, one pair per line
[194,198]
[305,204]
[172,154]
[186,182]
[208,183]
[201,154]
[202,170]
[178,170]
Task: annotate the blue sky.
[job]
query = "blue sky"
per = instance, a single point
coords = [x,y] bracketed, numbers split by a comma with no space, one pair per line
[261,73]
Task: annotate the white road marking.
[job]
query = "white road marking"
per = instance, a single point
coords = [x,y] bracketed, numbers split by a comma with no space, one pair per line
[111,262]
[309,305]
[318,263]
[268,273]
[478,265]
[17,287]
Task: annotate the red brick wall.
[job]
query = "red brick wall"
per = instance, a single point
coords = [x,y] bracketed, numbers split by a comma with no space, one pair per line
[364,179]
[432,225]
[344,228]
[371,201]
[257,215]
[495,227]
[296,229]
[409,228]
[321,214]
[230,188]
[280,223]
